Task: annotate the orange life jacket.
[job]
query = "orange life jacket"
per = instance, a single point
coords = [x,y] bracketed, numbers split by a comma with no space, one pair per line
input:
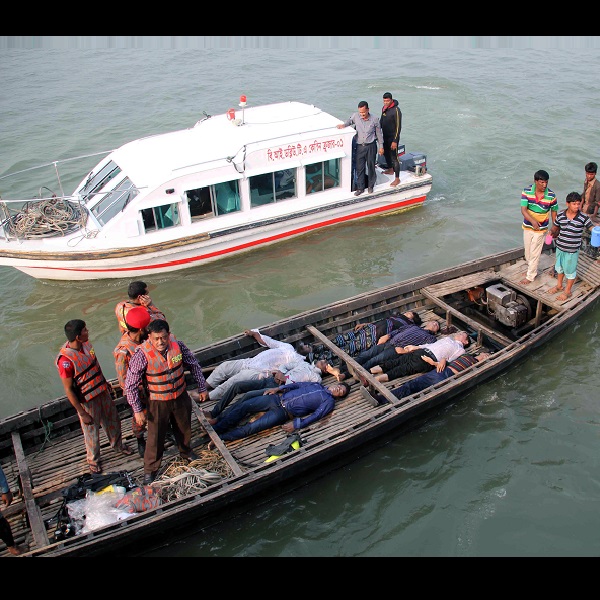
[89,379]
[164,376]
[127,344]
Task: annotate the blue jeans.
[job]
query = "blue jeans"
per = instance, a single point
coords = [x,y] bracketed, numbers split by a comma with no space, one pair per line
[252,402]
[375,355]
[372,356]
[241,387]
[418,384]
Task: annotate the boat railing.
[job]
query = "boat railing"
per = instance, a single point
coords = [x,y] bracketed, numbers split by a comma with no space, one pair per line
[46,215]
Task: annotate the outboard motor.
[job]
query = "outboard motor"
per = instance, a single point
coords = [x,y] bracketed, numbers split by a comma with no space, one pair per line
[506,306]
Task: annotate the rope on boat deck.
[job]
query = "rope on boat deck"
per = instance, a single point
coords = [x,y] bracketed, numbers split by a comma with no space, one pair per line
[181,478]
[50,217]
[47,426]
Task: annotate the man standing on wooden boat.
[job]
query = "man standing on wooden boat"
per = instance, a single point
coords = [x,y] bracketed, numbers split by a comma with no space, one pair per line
[368,134]
[302,403]
[137,320]
[159,364]
[89,393]
[138,296]
[391,126]
[539,208]
[229,372]
[570,224]
[410,362]
[590,198]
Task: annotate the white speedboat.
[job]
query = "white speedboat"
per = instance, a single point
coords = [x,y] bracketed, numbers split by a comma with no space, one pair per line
[231,183]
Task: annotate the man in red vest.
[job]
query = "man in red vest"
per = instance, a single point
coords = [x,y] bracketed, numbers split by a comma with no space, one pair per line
[89,393]
[136,319]
[159,364]
[138,296]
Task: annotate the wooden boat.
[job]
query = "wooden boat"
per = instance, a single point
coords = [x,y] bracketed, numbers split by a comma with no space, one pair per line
[231,183]
[42,451]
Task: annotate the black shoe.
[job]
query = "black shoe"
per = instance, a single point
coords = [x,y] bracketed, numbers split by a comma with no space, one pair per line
[190,457]
[141,442]
[370,190]
[358,192]
[149,477]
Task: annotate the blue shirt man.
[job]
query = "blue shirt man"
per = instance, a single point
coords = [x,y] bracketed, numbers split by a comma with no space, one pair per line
[304,403]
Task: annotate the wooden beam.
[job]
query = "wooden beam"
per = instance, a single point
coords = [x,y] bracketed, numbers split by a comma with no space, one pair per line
[36,522]
[216,440]
[354,367]
[495,335]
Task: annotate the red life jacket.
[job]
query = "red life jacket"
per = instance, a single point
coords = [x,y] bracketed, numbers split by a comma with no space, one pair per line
[127,344]
[164,377]
[89,379]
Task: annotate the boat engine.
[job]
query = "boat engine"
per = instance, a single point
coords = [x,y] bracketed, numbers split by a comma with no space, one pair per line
[506,306]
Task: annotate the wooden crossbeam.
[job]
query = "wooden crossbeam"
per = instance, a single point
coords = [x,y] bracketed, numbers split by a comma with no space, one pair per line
[36,522]
[353,366]
[502,339]
[216,440]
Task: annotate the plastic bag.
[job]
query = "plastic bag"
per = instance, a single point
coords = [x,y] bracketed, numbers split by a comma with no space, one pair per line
[96,510]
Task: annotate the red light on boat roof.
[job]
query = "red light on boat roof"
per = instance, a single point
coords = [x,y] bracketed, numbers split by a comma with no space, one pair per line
[242,98]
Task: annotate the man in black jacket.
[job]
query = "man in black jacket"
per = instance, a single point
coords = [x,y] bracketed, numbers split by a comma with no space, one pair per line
[391,125]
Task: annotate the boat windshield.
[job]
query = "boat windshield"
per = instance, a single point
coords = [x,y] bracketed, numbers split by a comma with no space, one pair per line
[115,201]
[96,181]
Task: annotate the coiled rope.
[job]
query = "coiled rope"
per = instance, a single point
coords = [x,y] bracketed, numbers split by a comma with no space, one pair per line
[184,479]
[49,217]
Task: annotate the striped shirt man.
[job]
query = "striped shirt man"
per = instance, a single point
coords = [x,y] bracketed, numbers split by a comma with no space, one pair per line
[538,209]
[571,230]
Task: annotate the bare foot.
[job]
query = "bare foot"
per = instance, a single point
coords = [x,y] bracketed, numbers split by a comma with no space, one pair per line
[336,373]
[525,281]
[388,171]
[15,550]
[563,296]
[395,182]
[376,369]
[554,290]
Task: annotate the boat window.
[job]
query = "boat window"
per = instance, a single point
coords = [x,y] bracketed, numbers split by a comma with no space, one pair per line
[226,197]
[199,203]
[115,201]
[322,175]
[96,182]
[272,187]
[218,199]
[160,217]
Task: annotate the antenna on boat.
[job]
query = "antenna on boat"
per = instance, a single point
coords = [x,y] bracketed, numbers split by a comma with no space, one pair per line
[243,105]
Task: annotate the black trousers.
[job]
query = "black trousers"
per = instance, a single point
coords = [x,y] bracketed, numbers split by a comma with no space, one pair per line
[5,532]
[406,364]
[391,157]
[365,160]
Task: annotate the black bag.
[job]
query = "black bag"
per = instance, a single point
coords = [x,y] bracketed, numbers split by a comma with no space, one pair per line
[284,447]
[95,482]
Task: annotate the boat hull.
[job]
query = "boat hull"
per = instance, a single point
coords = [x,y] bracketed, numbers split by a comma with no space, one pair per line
[174,255]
